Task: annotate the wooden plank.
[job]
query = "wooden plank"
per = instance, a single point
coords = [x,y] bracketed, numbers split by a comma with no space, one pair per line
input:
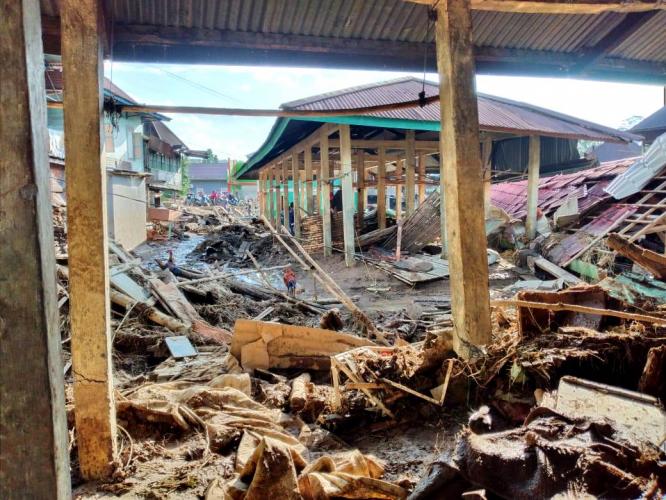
[325,190]
[277,212]
[559,306]
[533,166]
[381,189]
[347,194]
[87,235]
[410,192]
[461,166]
[561,6]
[554,270]
[649,260]
[33,423]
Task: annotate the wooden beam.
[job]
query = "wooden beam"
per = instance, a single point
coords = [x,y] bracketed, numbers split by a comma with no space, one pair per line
[410,192]
[325,190]
[381,190]
[360,187]
[296,176]
[461,166]
[533,165]
[347,194]
[33,422]
[422,178]
[632,22]
[309,201]
[83,68]
[486,165]
[561,6]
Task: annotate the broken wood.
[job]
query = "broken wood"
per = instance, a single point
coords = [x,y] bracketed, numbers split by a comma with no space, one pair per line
[653,379]
[258,344]
[328,282]
[647,259]
[151,313]
[559,306]
[553,269]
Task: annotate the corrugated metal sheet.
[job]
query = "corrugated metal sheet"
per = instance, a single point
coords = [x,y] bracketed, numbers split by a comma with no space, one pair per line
[641,172]
[587,185]
[495,114]
[389,20]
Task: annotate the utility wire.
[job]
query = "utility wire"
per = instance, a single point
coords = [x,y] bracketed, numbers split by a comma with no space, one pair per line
[198,85]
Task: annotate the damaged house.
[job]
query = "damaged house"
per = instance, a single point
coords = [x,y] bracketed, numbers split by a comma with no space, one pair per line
[322,345]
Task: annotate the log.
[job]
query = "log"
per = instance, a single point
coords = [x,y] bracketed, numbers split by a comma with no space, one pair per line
[649,260]
[151,313]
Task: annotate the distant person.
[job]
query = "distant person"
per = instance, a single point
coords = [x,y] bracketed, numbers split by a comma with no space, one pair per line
[214,197]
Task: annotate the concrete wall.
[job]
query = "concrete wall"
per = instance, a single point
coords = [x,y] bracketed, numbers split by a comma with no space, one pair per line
[126,205]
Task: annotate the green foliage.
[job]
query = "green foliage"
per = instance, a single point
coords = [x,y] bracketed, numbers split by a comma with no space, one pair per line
[185,168]
[210,156]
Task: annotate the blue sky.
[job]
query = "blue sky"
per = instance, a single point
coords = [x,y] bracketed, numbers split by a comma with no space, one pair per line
[265,87]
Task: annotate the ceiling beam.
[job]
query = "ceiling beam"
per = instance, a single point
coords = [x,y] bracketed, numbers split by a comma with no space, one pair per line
[614,38]
[561,6]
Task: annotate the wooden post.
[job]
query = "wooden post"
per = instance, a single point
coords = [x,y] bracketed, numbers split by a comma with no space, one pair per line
[534,161]
[410,192]
[89,311]
[422,178]
[398,189]
[33,423]
[486,162]
[309,202]
[461,166]
[277,177]
[325,190]
[286,167]
[347,193]
[296,176]
[360,187]
[381,189]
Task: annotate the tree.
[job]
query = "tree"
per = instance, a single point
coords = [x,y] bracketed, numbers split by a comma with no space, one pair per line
[185,175]
[210,156]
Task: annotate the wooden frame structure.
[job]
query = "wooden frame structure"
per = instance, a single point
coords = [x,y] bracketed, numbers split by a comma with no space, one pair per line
[35,461]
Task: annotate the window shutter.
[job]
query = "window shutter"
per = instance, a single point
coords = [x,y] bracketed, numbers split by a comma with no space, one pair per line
[138,145]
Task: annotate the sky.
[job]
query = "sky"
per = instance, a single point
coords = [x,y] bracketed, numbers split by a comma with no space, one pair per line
[605,103]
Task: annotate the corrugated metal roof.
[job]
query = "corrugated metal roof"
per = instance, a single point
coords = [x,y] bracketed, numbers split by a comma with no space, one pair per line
[641,172]
[553,191]
[544,36]
[495,113]
[165,134]
[655,121]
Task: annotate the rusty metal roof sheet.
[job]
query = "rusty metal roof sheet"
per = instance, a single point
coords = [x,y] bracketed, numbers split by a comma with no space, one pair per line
[588,186]
[495,113]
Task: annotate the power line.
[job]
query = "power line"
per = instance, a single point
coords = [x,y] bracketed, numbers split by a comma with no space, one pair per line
[198,85]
